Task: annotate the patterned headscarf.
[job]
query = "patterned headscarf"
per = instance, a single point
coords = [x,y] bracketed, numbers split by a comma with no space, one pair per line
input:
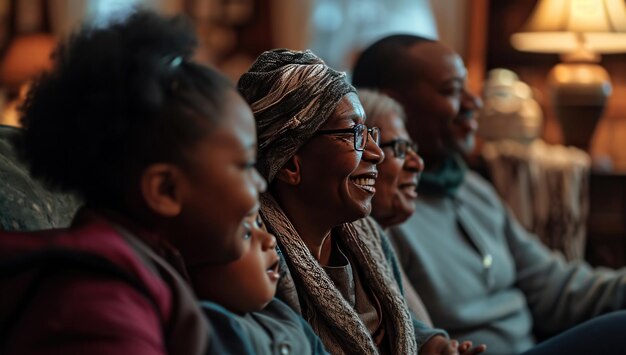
[292,94]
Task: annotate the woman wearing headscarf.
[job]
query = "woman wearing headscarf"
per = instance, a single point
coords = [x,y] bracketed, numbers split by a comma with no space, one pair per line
[320,162]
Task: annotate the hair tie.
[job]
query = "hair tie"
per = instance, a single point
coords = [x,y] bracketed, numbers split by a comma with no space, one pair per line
[173,61]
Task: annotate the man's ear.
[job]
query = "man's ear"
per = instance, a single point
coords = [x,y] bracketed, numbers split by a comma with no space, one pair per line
[161,188]
[290,173]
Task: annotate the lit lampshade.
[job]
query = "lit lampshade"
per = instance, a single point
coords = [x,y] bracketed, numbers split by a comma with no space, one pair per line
[561,26]
[579,30]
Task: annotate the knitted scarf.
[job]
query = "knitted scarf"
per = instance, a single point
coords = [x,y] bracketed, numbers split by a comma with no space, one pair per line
[332,318]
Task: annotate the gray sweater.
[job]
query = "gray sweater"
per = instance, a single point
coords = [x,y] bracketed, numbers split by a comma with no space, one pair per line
[483,278]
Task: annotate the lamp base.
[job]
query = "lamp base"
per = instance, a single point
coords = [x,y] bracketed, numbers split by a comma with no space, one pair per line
[578,124]
[579,94]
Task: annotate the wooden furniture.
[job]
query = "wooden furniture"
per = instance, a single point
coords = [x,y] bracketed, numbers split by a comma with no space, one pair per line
[606,228]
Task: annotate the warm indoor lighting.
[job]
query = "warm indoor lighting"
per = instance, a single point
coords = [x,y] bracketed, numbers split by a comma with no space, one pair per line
[579,30]
[562,26]
[27,56]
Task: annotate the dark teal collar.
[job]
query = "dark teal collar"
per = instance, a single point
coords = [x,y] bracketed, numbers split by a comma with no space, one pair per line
[444,181]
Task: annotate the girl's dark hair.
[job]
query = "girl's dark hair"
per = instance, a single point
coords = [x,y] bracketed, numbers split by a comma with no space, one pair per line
[118,99]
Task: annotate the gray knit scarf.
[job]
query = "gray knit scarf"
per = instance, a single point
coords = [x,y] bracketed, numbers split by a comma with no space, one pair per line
[331,316]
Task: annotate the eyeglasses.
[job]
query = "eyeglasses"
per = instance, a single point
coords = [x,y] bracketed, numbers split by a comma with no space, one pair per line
[361,134]
[400,147]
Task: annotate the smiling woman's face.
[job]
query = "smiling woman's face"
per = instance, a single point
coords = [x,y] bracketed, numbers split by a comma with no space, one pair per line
[337,182]
[397,177]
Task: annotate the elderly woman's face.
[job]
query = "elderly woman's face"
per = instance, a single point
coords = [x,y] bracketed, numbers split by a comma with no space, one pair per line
[397,176]
[338,181]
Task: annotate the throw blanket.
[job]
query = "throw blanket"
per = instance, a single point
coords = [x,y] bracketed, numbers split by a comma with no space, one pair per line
[26,204]
[547,187]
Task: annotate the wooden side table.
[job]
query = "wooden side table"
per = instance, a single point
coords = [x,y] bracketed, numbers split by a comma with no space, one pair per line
[606,228]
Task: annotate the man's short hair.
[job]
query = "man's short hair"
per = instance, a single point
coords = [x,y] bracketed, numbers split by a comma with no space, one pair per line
[384,64]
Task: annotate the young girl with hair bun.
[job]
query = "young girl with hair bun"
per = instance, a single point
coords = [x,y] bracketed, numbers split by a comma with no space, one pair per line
[162,151]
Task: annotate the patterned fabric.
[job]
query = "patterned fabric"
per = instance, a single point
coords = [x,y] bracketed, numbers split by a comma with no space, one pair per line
[547,187]
[330,315]
[291,94]
[25,204]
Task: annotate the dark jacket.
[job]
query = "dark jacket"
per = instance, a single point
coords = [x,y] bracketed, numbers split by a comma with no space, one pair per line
[276,329]
[93,289]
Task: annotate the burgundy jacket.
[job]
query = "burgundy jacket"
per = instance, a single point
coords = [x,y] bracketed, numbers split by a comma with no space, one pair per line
[128,302]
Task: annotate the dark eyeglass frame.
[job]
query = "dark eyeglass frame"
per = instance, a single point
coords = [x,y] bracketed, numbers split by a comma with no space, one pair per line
[396,146]
[357,131]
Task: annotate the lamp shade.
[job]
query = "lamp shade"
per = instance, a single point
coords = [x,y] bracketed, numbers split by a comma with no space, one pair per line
[566,26]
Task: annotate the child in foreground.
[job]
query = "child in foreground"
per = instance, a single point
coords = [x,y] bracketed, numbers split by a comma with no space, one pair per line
[244,290]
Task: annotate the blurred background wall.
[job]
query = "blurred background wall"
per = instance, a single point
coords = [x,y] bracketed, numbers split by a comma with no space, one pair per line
[233,33]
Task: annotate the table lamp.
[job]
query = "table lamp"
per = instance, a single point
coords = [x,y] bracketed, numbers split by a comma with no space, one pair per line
[579,30]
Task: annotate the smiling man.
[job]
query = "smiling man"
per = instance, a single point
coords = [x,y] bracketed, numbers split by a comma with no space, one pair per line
[481,276]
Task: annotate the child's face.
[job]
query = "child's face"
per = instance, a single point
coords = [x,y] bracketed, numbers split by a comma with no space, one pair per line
[219,187]
[249,283]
